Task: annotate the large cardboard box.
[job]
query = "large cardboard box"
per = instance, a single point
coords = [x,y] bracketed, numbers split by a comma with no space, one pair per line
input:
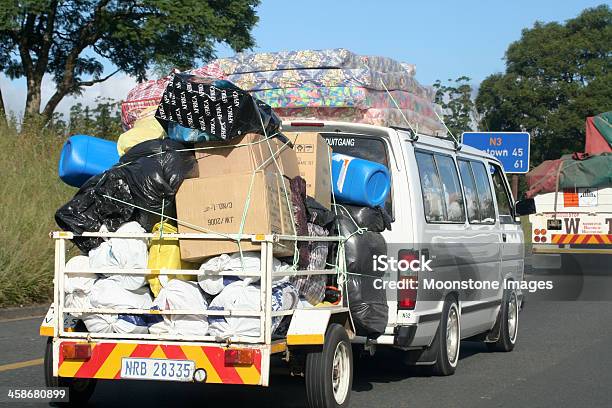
[245,155]
[313,154]
[217,204]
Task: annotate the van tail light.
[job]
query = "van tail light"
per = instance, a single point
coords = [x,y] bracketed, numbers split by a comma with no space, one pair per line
[239,357]
[76,351]
[407,292]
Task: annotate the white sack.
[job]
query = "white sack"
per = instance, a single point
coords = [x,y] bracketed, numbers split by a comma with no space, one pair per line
[250,262]
[238,296]
[122,253]
[181,295]
[112,323]
[77,300]
[108,293]
[78,282]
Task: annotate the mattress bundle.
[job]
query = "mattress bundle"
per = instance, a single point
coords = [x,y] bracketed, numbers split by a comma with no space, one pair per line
[335,84]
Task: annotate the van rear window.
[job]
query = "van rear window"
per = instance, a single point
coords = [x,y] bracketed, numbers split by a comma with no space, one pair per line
[363,147]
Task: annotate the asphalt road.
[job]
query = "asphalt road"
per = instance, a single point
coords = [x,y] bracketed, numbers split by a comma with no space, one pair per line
[563,358]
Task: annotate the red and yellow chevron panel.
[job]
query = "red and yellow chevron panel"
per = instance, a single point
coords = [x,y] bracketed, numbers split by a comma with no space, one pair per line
[581,239]
[105,361]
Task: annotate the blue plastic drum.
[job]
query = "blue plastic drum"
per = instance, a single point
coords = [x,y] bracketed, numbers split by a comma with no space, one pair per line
[85,156]
[358,181]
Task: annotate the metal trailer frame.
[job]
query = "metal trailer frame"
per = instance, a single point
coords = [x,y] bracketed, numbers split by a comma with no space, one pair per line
[263,342]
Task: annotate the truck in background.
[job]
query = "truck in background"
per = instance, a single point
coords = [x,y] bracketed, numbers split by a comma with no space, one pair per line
[573,196]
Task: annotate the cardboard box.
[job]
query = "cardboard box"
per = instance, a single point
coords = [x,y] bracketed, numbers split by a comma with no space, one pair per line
[227,158]
[313,154]
[217,204]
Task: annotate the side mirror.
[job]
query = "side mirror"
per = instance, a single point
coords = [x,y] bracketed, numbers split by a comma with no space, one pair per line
[525,207]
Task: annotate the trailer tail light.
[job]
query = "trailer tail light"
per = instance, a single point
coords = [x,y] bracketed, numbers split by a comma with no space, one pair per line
[536,238]
[76,351]
[307,124]
[239,357]
[543,239]
[407,293]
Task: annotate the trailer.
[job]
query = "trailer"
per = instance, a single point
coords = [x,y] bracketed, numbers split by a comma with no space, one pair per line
[317,344]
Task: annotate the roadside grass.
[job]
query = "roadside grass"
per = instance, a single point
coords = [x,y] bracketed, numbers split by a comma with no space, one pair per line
[30,193]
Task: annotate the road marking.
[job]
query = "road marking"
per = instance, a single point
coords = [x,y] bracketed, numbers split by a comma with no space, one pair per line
[16,319]
[22,364]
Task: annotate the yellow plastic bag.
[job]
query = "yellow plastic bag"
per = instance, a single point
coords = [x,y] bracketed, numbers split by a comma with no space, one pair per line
[165,253]
[146,128]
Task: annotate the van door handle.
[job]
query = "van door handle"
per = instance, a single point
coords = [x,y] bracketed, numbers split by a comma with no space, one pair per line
[504,237]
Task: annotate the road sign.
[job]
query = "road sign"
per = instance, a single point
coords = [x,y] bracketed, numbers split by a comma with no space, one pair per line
[510,148]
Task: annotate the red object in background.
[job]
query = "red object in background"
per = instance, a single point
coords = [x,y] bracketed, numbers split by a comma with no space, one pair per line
[595,142]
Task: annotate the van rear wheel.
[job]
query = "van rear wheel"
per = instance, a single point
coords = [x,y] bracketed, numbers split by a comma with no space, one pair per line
[79,389]
[329,372]
[448,340]
[508,323]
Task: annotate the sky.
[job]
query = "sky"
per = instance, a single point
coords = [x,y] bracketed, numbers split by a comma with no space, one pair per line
[445,39]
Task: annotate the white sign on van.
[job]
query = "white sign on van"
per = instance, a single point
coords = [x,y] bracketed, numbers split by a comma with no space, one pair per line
[587,197]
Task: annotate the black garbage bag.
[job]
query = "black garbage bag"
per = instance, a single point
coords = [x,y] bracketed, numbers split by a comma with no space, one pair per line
[154,170]
[368,306]
[89,209]
[217,107]
[148,176]
[318,214]
[375,219]
[360,248]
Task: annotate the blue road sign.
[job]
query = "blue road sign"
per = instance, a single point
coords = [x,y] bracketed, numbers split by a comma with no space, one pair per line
[510,148]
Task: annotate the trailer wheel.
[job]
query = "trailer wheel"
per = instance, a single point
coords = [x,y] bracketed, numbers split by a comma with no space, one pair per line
[329,372]
[508,323]
[79,389]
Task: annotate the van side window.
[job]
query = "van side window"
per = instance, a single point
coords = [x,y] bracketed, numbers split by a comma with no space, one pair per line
[504,205]
[442,195]
[471,195]
[451,189]
[431,188]
[485,196]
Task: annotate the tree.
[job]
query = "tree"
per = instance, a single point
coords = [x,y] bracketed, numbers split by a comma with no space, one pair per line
[556,75]
[455,98]
[67,39]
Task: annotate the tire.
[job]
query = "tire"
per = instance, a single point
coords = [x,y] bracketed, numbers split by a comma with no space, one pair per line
[329,372]
[448,340]
[79,389]
[508,323]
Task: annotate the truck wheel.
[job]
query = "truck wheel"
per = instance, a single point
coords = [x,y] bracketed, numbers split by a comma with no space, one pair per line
[329,372]
[508,324]
[448,340]
[79,389]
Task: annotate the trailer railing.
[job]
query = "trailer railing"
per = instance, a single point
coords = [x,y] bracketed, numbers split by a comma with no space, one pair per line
[265,314]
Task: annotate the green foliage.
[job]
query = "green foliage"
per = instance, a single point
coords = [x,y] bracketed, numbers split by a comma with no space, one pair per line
[67,39]
[103,120]
[30,193]
[556,75]
[455,98]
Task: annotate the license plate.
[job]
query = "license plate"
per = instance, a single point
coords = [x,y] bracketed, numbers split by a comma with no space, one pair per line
[157,369]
